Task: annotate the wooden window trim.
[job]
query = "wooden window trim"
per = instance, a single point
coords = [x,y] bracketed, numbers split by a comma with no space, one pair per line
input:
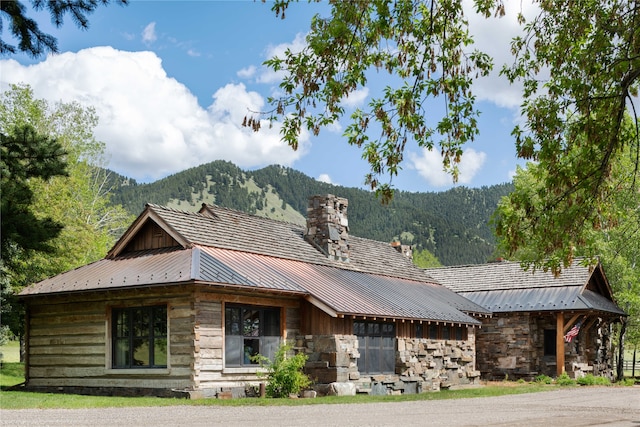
[250,368]
[111,332]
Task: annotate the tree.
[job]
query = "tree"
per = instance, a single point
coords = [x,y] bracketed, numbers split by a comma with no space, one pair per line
[422,45]
[615,241]
[25,156]
[79,202]
[425,259]
[31,39]
[590,50]
[575,119]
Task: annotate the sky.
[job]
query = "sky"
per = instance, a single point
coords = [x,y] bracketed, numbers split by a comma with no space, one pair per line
[172,80]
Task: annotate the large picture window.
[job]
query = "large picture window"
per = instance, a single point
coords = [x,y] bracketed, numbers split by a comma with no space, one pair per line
[377,344]
[139,337]
[250,331]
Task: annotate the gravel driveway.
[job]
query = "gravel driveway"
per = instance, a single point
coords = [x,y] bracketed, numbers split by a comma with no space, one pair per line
[584,406]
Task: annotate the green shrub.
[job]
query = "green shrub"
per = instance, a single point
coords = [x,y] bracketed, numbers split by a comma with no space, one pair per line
[284,374]
[591,379]
[543,379]
[564,380]
[627,382]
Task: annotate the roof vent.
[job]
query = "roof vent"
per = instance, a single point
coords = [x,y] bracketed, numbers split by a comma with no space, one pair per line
[405,250]
[328,227]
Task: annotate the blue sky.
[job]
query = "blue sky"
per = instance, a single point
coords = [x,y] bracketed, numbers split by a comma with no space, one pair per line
[171,82]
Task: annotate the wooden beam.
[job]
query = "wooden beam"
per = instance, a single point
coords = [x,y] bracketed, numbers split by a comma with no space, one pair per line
[559,343]
[322,306]
[570,323]
[588,324]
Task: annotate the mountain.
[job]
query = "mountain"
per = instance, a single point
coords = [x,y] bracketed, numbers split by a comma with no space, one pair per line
[453,225]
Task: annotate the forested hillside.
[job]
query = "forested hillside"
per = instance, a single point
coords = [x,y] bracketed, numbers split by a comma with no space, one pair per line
[453,225]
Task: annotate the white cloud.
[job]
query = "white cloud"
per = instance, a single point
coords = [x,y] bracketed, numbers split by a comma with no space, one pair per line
[493,36]
[152,124]
[324,177]
[429,166]
[149,33]
[194,53]
[356,98]
[247,73]
[267,75]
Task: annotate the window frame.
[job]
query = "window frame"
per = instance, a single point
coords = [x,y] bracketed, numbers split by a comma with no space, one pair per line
[158,312]
[376,346]
[266,337]
[435,331]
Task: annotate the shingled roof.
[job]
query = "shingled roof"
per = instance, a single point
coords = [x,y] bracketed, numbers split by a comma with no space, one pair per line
[505,286]
[222,247]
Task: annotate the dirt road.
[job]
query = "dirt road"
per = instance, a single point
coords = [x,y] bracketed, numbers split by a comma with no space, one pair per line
[570,407]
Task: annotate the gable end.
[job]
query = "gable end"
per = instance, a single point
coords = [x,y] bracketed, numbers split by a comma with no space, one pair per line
[150,236]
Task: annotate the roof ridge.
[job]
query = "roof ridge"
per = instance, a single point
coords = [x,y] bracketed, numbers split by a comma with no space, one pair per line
[213,205]
[181,211]
[574,263]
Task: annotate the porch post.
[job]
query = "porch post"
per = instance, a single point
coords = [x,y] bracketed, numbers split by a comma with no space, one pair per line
[559,343]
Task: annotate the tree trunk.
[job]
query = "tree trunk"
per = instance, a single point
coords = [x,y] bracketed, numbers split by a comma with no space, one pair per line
[620,366]
[22,349]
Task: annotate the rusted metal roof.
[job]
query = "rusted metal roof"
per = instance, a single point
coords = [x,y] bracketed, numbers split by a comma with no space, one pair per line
[346,292]
[146,268]
[223,247]
[506,286]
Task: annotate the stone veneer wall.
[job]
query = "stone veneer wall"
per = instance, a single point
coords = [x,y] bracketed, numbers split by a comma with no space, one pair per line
[421,364]
[504,347]
[513,345]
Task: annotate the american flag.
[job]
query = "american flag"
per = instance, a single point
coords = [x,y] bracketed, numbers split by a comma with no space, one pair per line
[573,332]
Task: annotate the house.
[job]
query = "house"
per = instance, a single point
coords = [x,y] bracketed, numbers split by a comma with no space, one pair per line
[184,299]
[541,324]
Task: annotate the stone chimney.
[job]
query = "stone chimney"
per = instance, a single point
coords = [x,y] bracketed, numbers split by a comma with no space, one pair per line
[328,227]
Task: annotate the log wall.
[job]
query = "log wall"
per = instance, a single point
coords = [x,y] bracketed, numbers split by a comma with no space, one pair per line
[211,378]
[69,341]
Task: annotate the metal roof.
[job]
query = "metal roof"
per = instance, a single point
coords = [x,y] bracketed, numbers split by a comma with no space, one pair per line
[147,268]
[345,292]
[223,247]
[506,286]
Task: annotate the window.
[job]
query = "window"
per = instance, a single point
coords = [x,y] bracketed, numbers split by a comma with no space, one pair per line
[250,331]
[549,342]
[433,332]
[441,332]
[139,337]
[445,332]
[377,344]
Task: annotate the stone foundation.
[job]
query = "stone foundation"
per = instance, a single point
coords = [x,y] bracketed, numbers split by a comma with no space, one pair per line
[422,365]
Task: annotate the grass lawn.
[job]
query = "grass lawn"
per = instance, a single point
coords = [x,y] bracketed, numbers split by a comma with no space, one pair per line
[628,357]
[13,373]
[28,400]
[10,352]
